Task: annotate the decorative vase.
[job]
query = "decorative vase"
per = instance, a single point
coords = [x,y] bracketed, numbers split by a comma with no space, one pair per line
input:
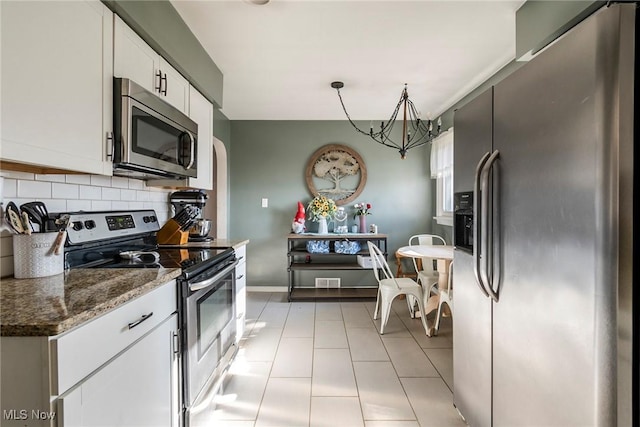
[363,224]
[322,226]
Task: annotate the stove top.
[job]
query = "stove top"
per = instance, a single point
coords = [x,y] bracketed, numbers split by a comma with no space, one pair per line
[99,238]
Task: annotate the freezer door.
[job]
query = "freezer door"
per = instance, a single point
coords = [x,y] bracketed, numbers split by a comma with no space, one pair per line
[554,325]
[472,318]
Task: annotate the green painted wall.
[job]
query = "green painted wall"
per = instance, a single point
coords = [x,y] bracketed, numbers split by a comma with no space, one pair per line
[268,160]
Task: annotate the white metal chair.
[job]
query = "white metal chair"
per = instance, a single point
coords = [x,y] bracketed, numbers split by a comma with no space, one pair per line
[427,276]
[390,287]
[446,297]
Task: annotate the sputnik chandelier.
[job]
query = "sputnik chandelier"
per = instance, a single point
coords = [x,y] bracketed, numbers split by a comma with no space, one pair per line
[415,131]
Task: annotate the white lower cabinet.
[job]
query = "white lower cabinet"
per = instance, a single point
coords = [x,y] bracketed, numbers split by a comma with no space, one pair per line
[120,369]
[241,291]
[134,389]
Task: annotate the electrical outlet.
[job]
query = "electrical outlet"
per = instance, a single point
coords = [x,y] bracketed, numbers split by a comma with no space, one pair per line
[265,203]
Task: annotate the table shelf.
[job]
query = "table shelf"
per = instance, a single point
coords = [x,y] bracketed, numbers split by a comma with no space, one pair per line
[332,261]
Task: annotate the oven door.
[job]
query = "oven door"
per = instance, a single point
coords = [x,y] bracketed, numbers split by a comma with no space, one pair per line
[210,330]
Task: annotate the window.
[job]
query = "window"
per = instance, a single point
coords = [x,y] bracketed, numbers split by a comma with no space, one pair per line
[442,172]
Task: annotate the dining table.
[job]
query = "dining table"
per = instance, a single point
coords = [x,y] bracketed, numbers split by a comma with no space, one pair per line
[443,254]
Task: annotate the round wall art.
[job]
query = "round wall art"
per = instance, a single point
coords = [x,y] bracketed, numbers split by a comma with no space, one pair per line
[337,172]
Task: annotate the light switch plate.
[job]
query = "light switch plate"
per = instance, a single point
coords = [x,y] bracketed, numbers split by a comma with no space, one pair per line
[265,203]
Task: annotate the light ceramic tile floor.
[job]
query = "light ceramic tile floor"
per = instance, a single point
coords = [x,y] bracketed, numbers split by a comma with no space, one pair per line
[324,364]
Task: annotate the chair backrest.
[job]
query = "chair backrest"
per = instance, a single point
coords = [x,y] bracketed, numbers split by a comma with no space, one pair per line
[379,262]
[425,239]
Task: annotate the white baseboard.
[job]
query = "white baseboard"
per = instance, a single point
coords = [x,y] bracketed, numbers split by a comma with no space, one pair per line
[267,288]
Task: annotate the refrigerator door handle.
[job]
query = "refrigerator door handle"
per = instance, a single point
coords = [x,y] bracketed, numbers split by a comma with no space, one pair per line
[477,217]
[490,228]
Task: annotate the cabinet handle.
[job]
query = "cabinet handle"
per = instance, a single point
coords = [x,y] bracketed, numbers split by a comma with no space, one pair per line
[163,91]
[176,343]
[240,277]
[110,145]
[140,320]
[159,85]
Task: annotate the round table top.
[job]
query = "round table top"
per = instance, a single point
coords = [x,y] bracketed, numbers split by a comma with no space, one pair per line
[427,251]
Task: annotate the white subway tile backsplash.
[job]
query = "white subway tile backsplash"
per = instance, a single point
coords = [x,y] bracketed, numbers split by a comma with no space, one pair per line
[18,175]
[120,205]
[159,197]
[78,205]
[119,182]
[78,179]
[101,181]
[110,193]
[90,193]
[34,189]
[100,205]
[69,193]
[64,191]
[142,196]
[136,184]
[128,195]
[9,188]
[50,177]
[56,205]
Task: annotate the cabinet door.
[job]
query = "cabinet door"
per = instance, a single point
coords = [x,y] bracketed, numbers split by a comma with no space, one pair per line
[202,113]
[175,88]
[137,388]
[57,84]
[133,58]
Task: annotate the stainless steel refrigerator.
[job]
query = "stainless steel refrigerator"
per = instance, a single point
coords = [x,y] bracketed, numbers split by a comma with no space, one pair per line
[543,306]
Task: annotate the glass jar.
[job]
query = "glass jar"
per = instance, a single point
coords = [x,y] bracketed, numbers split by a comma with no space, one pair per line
[341,221]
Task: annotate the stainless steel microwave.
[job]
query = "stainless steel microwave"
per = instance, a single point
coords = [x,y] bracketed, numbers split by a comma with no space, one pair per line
[152,139]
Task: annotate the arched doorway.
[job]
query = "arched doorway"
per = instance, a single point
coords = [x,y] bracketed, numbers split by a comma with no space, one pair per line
[218,201]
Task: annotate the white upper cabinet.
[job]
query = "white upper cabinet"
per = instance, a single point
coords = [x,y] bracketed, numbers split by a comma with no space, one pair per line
[202,113]
[57,84]
[136,60]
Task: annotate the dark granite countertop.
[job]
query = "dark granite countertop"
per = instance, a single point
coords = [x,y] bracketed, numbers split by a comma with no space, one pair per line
[51,305]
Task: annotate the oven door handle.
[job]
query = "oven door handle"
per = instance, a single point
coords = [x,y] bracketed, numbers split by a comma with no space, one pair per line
[196,286]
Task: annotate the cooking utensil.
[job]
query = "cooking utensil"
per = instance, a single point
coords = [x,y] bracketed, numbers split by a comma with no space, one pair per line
[26,223]
[35,217]
[14,219]
[38,213]
[62,223]
[200,228]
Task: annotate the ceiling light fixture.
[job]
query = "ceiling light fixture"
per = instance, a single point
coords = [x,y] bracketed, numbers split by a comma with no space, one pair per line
[415,131]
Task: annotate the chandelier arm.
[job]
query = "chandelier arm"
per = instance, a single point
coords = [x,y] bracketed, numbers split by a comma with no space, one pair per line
[349,117]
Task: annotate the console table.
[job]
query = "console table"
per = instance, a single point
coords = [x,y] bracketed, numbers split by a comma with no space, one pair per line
[302,260]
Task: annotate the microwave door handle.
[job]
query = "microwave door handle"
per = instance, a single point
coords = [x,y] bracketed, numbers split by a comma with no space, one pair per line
[192,150]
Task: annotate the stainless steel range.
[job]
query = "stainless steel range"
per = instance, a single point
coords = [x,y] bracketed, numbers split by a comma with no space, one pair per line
[127,239]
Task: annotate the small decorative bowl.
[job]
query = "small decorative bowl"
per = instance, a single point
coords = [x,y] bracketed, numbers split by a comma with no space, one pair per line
[347,247]
[318,246]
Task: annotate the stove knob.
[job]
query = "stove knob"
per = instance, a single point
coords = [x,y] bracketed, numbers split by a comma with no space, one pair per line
[77,225]
[89,224]
[153,218]
[146,219]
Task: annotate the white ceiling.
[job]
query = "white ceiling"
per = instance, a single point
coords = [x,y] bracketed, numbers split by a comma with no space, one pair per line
[279,59]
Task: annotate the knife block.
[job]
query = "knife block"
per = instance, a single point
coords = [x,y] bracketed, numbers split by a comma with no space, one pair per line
[172,234]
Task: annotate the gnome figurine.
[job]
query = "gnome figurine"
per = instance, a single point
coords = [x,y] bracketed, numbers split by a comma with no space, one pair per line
[298,222]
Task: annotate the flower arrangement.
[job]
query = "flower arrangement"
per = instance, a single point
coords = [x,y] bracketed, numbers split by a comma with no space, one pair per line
[321,207]
[362,209]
